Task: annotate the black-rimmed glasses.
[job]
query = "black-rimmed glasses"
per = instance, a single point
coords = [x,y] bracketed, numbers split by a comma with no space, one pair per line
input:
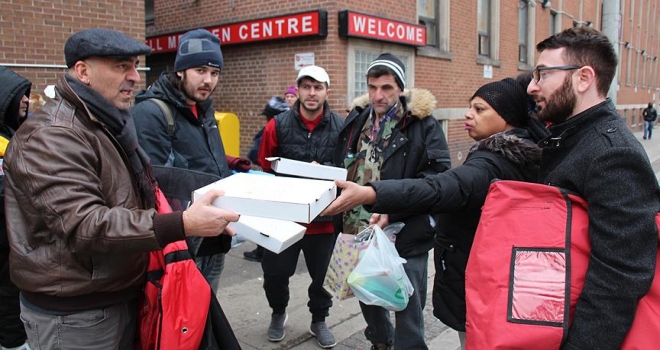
[536,74]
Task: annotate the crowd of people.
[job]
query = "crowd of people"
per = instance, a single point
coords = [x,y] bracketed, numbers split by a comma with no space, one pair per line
[84,204]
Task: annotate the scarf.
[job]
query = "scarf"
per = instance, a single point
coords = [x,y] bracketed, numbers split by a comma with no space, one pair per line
[120,124]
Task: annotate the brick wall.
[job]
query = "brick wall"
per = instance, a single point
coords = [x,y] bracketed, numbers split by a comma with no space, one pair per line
[34,32]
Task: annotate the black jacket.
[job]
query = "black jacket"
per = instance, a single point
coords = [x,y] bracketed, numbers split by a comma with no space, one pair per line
[195,145]
[650,114]
[596,156]
[12,89]
[459,194]
[418,149]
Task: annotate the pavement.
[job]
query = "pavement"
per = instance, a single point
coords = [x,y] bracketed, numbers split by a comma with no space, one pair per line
[243,300]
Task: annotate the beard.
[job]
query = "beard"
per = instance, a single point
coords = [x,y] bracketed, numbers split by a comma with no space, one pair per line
[319,106]
[560,105]
[189,90]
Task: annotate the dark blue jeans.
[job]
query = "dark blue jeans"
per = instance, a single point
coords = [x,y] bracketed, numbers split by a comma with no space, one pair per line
[409,330]
[648,129]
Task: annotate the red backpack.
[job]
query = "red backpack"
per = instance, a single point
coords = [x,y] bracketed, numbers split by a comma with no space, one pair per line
[170,316]
[516,283]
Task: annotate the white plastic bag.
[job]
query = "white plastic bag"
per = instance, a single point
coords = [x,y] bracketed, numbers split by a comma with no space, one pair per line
[379,278]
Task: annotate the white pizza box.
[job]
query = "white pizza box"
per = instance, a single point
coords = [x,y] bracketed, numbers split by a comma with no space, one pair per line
[281,198]
[274,235]
[305,169]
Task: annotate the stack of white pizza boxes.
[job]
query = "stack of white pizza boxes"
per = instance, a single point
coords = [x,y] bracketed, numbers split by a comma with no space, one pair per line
[271,206]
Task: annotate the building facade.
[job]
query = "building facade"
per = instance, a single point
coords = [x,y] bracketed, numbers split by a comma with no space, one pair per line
[449,47]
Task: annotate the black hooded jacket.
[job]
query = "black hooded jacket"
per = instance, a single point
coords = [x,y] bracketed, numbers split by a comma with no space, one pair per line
[12,89]
[196,143]
[183,150]
[458,195]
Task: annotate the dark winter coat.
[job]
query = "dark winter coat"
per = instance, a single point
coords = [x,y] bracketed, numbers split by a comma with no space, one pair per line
[418,149]
[12,89]
[459,194]
[595,155]
[195,145]
[185,149]
[650,114]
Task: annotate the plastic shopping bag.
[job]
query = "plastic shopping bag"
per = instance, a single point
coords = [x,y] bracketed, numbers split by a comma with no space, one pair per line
[379,278]
[345,256]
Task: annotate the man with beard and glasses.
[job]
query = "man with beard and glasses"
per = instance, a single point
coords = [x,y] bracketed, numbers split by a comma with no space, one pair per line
[191,141]
[307,132]
[83,208]
[591,152]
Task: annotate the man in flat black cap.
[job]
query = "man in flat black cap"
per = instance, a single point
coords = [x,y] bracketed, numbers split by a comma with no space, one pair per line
[82,205]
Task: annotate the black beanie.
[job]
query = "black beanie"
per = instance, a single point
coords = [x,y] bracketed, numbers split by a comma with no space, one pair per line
[198,48]
[275,106]
[508,98]
[394,65]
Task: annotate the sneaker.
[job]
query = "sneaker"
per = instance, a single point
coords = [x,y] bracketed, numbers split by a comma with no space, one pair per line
[276,328]
[324,337]
[254,255]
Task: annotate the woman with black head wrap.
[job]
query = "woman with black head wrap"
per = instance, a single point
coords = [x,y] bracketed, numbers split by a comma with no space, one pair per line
[499,120]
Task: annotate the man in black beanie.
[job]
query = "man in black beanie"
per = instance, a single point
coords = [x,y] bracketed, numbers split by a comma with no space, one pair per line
[188,137]
[391,134]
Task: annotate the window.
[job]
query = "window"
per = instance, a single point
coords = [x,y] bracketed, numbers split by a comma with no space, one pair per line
[361,53]
[483,27]
[434,15]
[149,11]
[362,59]
[637,65]
[523,10]
[629,66]
[428,17]
[488,32]
[644,71]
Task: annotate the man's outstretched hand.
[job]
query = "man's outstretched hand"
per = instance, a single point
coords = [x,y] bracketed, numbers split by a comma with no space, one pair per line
[204,220]
[352,195]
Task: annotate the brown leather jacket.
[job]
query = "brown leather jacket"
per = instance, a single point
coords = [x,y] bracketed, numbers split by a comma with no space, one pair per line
[78,236]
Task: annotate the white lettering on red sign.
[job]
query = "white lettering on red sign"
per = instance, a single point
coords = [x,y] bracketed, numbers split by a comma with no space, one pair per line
[307,23]
[380,28]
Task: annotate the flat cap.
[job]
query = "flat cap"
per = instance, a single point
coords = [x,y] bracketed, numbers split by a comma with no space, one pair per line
[101,42]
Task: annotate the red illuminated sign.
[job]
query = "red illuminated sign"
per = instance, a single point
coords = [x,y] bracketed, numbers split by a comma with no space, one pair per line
[372,27]
[314,23]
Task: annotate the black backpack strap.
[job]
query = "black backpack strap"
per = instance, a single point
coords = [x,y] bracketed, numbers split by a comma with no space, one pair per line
[168,115]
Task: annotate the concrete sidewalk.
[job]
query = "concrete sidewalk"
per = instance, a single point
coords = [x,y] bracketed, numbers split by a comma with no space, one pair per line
[652,148]
[247,309]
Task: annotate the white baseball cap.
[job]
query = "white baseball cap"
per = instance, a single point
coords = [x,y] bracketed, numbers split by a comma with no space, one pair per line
[315,72]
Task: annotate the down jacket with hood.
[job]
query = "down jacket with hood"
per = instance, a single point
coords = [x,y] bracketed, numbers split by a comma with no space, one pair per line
[458,194]
[418,149]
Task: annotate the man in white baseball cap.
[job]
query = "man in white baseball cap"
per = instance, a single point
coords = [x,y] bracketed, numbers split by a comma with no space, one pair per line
[307,132]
